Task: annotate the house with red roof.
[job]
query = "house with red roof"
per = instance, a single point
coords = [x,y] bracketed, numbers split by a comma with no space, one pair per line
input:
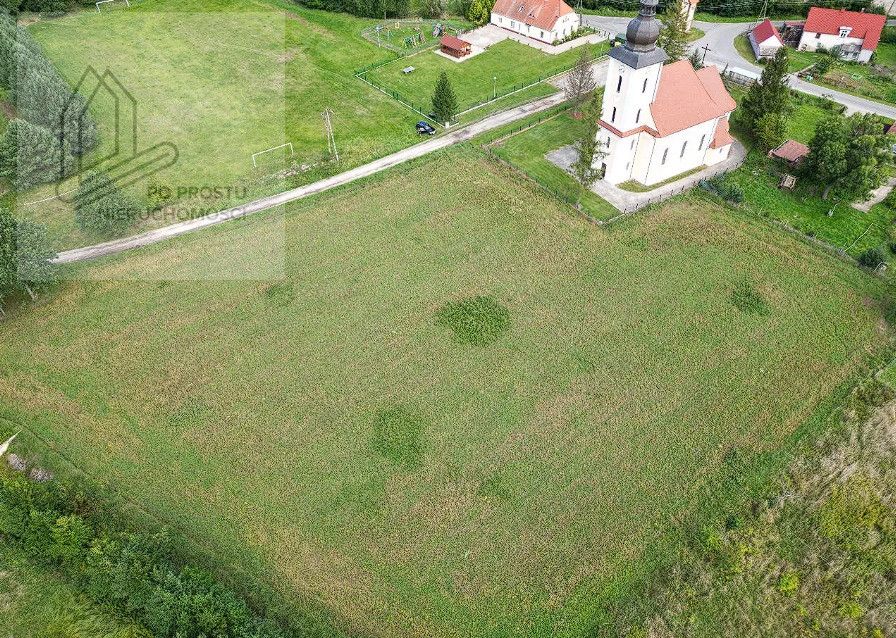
[543,20]
[855,34]
[765,40]
[658,121]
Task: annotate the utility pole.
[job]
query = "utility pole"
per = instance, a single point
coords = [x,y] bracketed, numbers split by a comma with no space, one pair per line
[762,15]
[331,141]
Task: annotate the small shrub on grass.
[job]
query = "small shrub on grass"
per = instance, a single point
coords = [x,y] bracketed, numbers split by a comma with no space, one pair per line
[891,199]
[724,188]
[476,321]
[872,258]
[748,300]
[398,436]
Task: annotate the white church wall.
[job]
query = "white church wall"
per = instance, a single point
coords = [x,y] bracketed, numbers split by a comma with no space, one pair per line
[678,153]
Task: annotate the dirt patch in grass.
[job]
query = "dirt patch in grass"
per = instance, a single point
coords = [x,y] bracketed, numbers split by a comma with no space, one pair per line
[477,321]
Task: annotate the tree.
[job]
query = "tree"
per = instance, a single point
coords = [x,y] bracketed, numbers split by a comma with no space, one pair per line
[34,270]
[770,95]
[848,156]
[770,130]
[588,149]
[580,80]
[479,12]
[674,36]
[444,101]
[32,155]
[101,207]
[696,60]
[7,255]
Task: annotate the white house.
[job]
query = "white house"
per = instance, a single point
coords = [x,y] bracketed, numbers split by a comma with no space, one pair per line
[765,40]
[544,20]
[660,121]
[855,33]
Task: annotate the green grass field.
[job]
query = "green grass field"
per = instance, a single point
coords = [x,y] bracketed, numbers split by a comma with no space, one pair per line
[324,433]
[37,604]
[514,65]
[526,152]
[265,73]
[874,81]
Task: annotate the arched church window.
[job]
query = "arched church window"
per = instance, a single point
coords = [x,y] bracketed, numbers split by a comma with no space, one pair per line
[665,155]
[644,90]
[613,116]
[683,147]
[702,140]
[619,84]
[638,116]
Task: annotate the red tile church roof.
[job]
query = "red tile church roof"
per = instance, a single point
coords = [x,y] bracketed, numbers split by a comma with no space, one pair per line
[867,26]
[542,14]
[686,98]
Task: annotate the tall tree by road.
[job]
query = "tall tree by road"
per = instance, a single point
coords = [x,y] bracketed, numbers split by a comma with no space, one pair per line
[674,36]
[767,105]
[444,101]
[580,81]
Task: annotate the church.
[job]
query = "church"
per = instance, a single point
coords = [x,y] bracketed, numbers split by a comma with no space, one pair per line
[658,120]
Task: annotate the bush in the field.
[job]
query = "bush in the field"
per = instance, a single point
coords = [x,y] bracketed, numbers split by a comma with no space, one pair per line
[136,573]
[872,258]
[101,207]
[477,321]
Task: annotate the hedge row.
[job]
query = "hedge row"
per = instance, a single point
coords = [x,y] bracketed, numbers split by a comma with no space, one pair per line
[135,573]
[46,108]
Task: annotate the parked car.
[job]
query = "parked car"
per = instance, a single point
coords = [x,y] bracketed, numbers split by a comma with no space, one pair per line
[425,129]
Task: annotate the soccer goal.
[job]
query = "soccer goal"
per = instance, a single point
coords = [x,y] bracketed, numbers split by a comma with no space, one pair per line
[270,150]
[127,2]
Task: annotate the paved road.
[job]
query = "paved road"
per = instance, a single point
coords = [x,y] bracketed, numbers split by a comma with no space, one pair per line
[418,150]
[720,38]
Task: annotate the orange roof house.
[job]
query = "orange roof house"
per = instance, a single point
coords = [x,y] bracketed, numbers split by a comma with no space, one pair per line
[855,34]
[545,20]
[765,40]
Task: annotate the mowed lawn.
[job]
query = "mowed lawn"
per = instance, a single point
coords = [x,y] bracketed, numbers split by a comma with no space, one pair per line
[504,67]
[221,80]
[244,413]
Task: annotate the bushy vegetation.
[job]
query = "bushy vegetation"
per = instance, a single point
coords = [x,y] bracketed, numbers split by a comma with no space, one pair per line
[101,207]
[135,573]
[25,256]
[815,556]
[478,321]
[365,8]
[725,188]
[53,122]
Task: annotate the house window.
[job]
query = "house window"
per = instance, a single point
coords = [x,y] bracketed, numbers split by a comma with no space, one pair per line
[818,36]
[638,116]
[844,31]
[702,140]
[619,84]
[644,89]
[613,117]
[665,154]
[542,33]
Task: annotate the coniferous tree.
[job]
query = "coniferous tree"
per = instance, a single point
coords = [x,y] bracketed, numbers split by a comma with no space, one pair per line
[444,101]
[34,270]
[771,95]
[674,36]
[31,155]
[8,281]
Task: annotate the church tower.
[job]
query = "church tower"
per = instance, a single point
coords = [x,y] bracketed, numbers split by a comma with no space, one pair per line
[632,80]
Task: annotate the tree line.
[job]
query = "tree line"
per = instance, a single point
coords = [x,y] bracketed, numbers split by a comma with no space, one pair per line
[137,574]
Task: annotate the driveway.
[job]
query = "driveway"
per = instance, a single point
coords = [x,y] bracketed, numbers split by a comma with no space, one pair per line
[720,36]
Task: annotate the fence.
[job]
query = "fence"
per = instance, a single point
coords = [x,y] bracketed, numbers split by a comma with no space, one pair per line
[382,36]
